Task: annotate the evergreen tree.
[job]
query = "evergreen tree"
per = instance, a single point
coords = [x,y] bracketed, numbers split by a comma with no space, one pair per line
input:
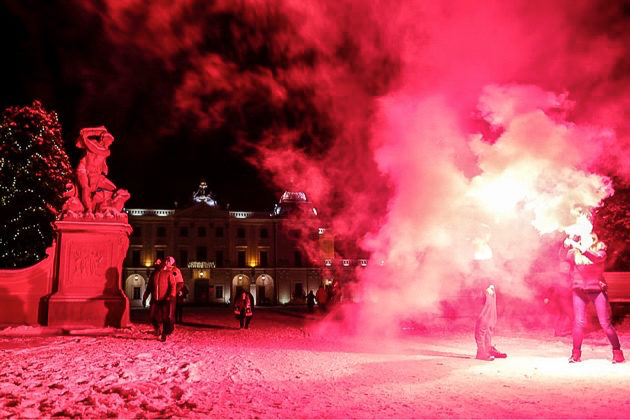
[34,171]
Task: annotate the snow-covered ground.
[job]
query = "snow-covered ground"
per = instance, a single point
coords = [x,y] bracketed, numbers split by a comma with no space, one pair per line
[286,366]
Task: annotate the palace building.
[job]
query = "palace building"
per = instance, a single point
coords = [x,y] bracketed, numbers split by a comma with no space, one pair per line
[278,256]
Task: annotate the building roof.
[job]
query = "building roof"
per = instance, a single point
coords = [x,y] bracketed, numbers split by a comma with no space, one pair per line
[292,202]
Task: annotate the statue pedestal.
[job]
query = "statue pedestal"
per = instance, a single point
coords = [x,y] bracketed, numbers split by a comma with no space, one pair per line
[87,290]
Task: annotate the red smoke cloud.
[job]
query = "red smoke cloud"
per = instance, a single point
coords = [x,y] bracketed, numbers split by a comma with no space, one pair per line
[424,131]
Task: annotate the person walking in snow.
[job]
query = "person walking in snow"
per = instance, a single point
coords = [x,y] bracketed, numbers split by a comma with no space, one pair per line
[182,294]
[244,308]
[484,327]
[179,285]
[162,287]
[157,266]
[322,298]
[310,301]
[587,257]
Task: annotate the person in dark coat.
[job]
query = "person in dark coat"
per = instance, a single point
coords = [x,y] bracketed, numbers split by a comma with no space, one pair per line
[182,294]
[157,266]
[310,301]
[484,327]
[244,308]
[179,284]
[162,287]
[587,257]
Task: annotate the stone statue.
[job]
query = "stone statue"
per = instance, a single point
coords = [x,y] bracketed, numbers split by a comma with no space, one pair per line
[94,196]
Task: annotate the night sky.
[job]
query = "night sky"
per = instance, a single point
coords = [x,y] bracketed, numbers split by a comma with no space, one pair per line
[257,97]
[61,54]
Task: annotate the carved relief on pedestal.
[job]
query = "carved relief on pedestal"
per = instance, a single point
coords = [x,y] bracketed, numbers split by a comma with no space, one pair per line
[92,196]
[87,264]
[122,245]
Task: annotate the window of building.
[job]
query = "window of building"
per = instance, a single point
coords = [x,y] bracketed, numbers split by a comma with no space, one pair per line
[161,231]
[264,233]
[240,232]
[183,257]
[202,253]
[264,259]
[218,232]
[241,258]
[135,258]
[218,291]
[183,231]
[137,232]
[219,258]
[159,253]
[295,233]
[299,291]
[136,293]
[297,255]
[201,231]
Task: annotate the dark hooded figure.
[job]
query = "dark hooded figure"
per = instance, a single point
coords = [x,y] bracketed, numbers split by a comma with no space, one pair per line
[310,301]
[244,308]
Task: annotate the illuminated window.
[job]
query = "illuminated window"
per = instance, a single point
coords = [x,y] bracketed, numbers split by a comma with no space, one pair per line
[346,263]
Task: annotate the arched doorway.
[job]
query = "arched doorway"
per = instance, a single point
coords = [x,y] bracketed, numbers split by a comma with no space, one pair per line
[135,285]
[264,289]
[202,291]
[240,282]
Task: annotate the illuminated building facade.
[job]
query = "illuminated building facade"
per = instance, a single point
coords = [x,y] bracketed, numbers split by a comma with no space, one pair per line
[220,250]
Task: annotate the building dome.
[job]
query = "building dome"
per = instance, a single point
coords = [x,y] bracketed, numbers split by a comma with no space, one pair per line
[202,195]
[292,201]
